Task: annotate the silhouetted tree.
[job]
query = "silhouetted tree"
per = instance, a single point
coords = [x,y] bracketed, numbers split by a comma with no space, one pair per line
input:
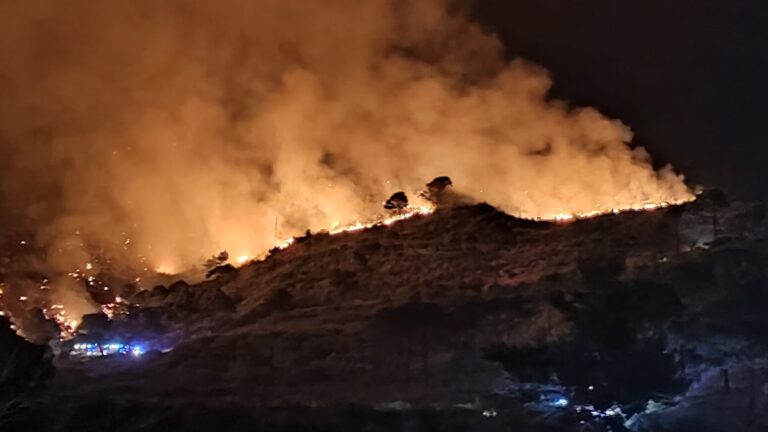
[397,202]
[216,260]
[436,188]
[221,270]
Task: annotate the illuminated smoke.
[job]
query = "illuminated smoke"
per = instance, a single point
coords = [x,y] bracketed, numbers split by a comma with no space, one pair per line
[159,133]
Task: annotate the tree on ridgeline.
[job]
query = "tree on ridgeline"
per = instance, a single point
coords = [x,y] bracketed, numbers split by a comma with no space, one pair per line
[216,260]
[397,203]
[436,189]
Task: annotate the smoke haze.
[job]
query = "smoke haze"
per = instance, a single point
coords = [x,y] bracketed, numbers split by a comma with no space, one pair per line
[159,133]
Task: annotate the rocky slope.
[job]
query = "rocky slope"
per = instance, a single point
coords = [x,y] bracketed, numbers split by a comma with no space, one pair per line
[467,319]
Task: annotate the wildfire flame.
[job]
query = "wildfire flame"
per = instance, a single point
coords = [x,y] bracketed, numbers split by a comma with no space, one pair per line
[406,214]
[67,326]
[425,210]
[165,269]
[353,227]
[233,143]
[645,206]
[337,228]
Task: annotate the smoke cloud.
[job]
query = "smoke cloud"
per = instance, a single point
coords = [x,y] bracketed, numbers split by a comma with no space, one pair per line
[159,133]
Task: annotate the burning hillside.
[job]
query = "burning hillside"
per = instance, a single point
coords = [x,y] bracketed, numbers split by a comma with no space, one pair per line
[219,216]
[112,300]
[465,314]
[150,136]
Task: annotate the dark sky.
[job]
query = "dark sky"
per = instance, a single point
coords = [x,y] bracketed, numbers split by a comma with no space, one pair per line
[689,76]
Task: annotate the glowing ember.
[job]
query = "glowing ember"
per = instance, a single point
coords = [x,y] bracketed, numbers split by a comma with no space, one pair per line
[67,326]
[111,309]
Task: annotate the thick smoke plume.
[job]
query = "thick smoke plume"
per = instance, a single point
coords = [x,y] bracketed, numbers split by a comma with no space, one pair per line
[161,132]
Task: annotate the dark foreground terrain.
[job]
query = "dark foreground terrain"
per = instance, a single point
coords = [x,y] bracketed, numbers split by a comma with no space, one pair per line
[465,320]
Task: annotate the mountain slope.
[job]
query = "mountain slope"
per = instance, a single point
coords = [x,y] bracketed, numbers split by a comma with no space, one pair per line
[467,308]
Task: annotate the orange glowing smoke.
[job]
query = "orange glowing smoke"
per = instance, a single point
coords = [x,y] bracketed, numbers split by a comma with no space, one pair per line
[239,123]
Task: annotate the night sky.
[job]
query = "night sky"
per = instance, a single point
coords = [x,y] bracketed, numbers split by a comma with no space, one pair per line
[689,76]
